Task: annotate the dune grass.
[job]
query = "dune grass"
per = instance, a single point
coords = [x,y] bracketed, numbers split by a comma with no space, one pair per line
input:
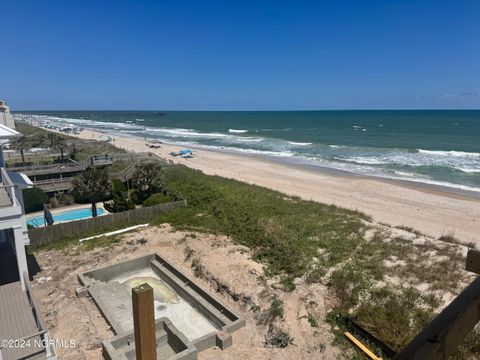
[285,233]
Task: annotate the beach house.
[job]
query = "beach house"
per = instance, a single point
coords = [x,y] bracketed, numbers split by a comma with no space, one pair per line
[6,117]
[23,333]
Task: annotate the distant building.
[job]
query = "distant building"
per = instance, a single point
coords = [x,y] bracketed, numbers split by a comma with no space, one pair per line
[6,118]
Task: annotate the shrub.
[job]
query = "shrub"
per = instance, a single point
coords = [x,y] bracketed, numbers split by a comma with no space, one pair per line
[66,199]
[270,315]
[312,321]
[120,202]
[288,283]
[119,186]
[137,196]
[54,203]
[350,282]
[156,199]
[279,339]
[34,198]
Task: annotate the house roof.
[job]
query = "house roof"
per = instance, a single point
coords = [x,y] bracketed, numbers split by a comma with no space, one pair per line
[8,133]
[19,179]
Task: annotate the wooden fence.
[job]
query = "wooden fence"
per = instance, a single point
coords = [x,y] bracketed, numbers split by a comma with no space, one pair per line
[44,235]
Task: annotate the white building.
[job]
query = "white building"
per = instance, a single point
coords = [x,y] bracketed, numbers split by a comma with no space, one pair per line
[6,118]
[20,317]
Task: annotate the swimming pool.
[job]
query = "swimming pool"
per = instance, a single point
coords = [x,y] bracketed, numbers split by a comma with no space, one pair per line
[70,215]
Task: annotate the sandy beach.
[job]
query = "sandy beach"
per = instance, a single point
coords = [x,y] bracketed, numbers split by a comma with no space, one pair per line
[423,208]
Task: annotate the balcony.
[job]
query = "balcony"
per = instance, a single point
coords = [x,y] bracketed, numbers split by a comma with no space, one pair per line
[21,320]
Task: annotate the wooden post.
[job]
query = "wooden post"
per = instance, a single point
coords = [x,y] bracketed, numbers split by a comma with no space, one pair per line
[473,261]
[144,322]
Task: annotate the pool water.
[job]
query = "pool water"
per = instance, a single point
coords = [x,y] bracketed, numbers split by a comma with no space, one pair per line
[65,216]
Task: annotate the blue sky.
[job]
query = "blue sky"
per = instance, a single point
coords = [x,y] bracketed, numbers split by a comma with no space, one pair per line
[240,55]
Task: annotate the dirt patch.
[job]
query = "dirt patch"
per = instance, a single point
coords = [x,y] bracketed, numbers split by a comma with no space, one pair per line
[219,266]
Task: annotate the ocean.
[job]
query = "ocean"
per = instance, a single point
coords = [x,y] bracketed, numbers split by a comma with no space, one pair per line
[434,147]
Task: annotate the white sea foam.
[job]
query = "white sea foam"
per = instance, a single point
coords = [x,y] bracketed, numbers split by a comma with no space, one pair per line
[237,131]
[249,138]
[468,170]
[179,132]
[251,151]
[449,153]
[409,174]
[299,143]
[364,160]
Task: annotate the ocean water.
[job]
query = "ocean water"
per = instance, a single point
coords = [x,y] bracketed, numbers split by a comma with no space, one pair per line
[435,147]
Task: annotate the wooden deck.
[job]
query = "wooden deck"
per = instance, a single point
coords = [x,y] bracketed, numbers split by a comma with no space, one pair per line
[17,322]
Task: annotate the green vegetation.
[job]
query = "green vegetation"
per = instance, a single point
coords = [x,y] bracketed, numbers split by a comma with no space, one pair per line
[69,147]
[279,338]
[85,149]
[22,145]
[61,199]
[275,311]
[312,321]
[120,198]
[93,185]
[287,283]
[33,199]
[285,233]
[396,310]
[34,132]
[157,198]
[57,142]
[147,180]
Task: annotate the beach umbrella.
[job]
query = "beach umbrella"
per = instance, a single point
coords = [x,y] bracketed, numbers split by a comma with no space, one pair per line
[106,139]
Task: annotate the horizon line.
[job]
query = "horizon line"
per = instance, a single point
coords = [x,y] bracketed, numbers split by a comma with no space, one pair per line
[259,110]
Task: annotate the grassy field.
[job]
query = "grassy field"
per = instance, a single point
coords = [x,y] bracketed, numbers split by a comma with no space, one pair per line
[392,281]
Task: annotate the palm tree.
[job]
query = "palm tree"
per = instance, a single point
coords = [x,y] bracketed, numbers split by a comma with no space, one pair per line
[148,177]
[93,184]
[61,145]
[57,142]
[22,145]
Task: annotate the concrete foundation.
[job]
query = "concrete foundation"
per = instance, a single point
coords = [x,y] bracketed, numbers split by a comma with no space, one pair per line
[171,344]
[181,306]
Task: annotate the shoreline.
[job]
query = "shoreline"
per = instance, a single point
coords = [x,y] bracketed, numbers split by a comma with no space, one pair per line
[411,184]
[431,209]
